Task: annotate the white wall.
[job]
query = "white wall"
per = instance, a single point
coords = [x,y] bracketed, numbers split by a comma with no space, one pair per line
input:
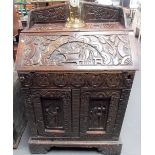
[130,133]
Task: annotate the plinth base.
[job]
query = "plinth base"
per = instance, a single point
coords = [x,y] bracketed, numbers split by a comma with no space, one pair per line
[106,147]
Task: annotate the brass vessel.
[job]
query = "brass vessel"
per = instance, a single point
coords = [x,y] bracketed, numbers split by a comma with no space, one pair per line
[75,15]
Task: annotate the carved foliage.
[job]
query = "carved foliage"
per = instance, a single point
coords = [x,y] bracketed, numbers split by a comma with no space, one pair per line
[100,13]
[79,50]
[90,12]
[48,15]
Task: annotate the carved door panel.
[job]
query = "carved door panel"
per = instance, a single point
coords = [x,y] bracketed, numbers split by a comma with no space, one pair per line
[53,112]
[98,113]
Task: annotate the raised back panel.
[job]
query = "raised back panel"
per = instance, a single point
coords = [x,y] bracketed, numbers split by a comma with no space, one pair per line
[90,12]
[101,13]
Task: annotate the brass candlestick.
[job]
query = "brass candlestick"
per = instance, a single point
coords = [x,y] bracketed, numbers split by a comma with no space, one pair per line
[74,20]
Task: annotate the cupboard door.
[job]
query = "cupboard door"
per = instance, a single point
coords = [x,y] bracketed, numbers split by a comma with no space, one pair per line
[52,109]
[98,112]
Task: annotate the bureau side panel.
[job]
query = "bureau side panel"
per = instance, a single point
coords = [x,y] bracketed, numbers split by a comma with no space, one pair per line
[30,112]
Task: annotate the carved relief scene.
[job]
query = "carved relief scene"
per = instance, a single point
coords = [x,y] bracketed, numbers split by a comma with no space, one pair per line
[98,113]
[80,50]
[53,113]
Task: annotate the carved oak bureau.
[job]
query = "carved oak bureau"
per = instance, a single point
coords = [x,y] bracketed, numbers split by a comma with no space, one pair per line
[76,82]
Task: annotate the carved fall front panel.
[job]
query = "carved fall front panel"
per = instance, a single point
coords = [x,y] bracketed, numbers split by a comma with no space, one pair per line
[76,49]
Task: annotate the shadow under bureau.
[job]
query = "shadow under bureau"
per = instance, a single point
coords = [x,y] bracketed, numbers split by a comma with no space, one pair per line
[76,83]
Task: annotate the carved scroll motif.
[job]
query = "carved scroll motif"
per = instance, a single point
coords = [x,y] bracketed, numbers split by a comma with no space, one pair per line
[80,50]
[48,15]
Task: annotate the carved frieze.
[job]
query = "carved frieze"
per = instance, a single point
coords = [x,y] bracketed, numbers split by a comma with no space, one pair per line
[77,50]
[77,80]
[42,80]
[59,80]
[90,13]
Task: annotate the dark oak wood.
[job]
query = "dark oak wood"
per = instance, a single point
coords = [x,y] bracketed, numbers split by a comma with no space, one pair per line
[76,82]
[107,55]
[91,13]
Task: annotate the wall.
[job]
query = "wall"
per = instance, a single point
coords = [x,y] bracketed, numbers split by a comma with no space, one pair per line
[130,133]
